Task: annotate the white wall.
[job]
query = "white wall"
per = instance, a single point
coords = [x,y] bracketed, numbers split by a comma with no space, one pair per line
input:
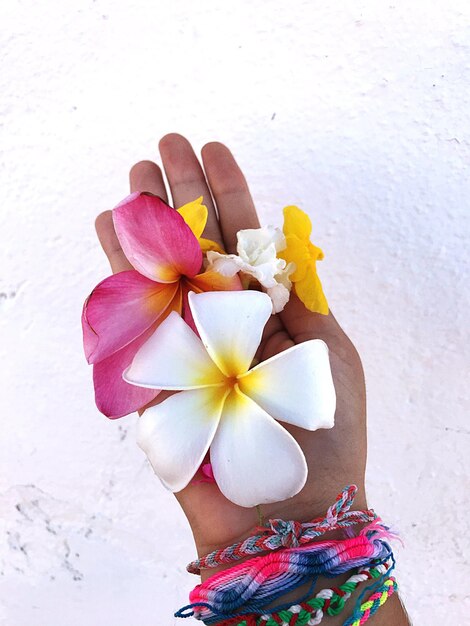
[358,112]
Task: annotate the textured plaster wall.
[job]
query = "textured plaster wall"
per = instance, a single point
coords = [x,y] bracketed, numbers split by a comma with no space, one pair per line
[358,112]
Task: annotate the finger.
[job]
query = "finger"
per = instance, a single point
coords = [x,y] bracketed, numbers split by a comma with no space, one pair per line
[237,211]
[147,176]
[303,324]
[275,339]
[144,176]
[110,243]
[232,196]
[187,181]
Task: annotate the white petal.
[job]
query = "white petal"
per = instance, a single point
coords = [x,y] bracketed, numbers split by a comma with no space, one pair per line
[257,255]
[266,273]
[279,295]
[254,241]
[258,248]
[176,434]
[284,276]
[295,386]
[230,324]
[254,459]
[173,358]
[230,264]
[225,264]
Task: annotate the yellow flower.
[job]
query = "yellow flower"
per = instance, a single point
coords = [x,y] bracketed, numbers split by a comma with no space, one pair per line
[195,215]
[297,229]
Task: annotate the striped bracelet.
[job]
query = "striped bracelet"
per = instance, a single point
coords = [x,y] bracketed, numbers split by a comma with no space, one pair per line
[327,601]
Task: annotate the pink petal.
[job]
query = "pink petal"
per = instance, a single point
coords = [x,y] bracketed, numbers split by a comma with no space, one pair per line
[156,239]
[114,397]
[90,338]
[119,310]
[207,475]
[186,311]
[206,469]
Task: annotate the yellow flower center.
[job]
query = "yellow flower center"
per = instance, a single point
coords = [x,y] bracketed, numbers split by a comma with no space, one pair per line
[231,381]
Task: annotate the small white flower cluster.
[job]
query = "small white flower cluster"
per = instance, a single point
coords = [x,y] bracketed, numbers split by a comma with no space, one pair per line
[257,257]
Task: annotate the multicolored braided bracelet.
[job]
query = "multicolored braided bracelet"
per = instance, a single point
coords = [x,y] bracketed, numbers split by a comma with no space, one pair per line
[288,534]
[327,601]
[372,605]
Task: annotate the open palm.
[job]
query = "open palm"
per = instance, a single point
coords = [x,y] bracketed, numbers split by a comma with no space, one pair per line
[335,457]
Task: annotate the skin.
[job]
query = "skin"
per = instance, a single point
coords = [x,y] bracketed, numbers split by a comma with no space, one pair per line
[335,457]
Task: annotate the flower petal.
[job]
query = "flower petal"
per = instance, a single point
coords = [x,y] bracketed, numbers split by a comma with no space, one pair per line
[279,295]
[119,310]
[295,386]
[173,358]
[114,397]
[210,280]
[156,239]
[310,291]
[195,215]
[316,253]
[231,264]
[257,255]
[296,253]
[297,222]
[258,245]
[230,324]
[186,314]
[208,244]
[176,434]
[254,459]
[224,264]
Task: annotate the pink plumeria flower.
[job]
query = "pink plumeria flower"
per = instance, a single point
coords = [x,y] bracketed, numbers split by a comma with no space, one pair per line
[124,310]
[226,406]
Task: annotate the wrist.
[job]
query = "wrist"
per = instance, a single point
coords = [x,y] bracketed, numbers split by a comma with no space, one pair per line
[288,552]
[275,531]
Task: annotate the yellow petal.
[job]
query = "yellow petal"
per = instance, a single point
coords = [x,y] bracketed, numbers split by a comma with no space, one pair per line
[208,244]
[297,222]
[296,252]
[195,215]
[310,291]
[316,253]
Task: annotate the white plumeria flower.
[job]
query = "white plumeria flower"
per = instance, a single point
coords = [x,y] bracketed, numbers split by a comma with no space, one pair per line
[226,406]
[257,256]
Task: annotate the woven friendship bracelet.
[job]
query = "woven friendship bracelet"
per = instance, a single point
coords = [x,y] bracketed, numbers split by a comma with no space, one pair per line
[372,605]
[252,586]
[290,534]
[310,613]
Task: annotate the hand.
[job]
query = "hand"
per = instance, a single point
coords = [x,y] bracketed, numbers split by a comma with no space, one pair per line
[335,457]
